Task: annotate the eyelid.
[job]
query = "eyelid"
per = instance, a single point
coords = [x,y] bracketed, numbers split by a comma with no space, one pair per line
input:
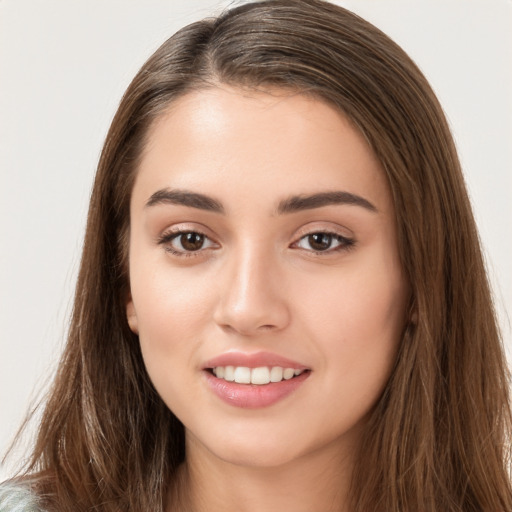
[323,227]
[344,243]
[347,240]
[185,227]
[168,235]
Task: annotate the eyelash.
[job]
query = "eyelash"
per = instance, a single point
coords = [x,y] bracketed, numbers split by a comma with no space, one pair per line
[346,244]
[167,238]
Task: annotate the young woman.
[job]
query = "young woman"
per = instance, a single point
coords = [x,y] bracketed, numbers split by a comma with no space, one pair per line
[282,302]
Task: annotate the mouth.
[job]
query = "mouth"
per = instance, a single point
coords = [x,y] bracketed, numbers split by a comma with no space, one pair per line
[256,380]
[260,376]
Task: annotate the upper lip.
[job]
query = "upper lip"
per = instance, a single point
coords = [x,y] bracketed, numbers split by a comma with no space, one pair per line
[253,360]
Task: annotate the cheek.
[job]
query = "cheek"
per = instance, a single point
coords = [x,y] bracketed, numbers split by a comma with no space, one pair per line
[357,322]
[357,304]
[167,299]
[172,310]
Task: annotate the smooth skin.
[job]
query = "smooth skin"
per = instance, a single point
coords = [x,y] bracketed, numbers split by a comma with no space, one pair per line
[321,284]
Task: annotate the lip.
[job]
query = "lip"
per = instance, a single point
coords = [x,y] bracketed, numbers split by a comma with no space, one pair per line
[251,396]
[253,360]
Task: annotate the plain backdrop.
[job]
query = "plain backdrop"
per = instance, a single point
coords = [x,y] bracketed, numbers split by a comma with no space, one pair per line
[64,65]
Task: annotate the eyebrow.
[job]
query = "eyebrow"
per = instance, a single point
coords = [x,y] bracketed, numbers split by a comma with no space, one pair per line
[185,198]
[291,204]
[308,202]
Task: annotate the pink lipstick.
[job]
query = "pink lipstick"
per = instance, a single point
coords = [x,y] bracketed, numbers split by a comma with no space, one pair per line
[253,380]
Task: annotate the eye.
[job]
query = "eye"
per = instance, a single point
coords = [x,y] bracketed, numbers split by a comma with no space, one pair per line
[324,242]
[183,243]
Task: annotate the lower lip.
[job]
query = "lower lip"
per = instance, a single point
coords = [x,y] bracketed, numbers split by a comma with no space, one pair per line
[252,396]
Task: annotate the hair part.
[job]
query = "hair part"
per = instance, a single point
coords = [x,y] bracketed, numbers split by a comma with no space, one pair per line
[439,436]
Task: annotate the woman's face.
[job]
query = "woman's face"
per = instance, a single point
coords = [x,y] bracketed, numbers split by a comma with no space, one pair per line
[263,245]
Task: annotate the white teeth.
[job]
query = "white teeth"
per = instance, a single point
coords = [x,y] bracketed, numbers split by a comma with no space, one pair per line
[242,375]
[229,373]
[288,373]
[259,376]
[276,374]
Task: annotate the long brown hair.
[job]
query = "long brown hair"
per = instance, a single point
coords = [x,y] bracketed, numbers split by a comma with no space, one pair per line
[439,436]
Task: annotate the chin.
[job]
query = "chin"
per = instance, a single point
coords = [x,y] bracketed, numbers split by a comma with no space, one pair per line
[258,455]
[250,446]
[263,445]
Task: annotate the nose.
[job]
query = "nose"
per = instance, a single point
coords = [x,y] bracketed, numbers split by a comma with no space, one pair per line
[252,296]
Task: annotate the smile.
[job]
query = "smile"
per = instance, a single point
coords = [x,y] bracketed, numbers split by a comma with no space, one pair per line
[259,376]
[254,380]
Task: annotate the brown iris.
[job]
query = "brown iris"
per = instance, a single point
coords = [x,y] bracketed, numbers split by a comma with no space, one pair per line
[191,241]
[320,241]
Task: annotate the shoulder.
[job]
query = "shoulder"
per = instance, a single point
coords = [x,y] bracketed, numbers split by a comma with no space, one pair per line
[16,497]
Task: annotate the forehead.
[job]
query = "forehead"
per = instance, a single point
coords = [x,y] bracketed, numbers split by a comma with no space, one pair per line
[243,144]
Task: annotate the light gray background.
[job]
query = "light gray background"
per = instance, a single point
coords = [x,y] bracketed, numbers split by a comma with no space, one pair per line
[64,65]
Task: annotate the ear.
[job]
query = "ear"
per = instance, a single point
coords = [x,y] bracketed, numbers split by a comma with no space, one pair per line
[131,316]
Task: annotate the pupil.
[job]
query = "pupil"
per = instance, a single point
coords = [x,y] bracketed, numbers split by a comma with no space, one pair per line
[320,241]
[192,241]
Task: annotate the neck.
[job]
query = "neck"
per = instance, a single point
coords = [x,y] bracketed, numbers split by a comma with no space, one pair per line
[318,481]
